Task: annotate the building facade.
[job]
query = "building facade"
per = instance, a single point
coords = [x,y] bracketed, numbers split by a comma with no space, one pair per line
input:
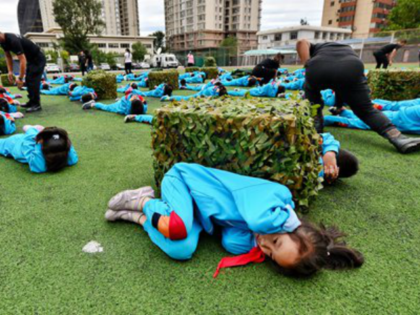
[288,37]
[121,17]
[203,24]
[107,43]
[363,17]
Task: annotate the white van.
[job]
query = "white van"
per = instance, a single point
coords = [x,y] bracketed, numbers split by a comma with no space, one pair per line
[164,61]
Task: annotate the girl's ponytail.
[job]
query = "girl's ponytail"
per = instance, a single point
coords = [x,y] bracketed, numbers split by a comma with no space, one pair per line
[342,257]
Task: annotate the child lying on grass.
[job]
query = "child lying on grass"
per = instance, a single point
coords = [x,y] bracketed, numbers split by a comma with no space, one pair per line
[256,217]
[8,105]
[131,104]
[163,89]
[44,149]
[60,90]
[272,89]
[216,90]
[7,124]
[246,81]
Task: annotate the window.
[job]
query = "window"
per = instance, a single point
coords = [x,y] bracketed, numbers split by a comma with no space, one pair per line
[332,3]
[265,37]
[125,45]
[277,37]
[324,36]
[113,45]
[43,45]
[101,45]
[317,35]
[293,35]
[329,22]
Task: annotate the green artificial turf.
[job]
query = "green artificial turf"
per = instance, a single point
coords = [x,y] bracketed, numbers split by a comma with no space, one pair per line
[47,219]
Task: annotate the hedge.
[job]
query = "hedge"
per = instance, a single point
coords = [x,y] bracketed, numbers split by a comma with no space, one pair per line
[171,77]
[192,69]
[5,80]
[394,85]
[211,72]
[210,62]
[103,83]
[270,139]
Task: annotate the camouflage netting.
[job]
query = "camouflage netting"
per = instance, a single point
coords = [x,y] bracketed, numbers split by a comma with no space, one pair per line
[5,80]
[394,85]
[270,139]
[103,83]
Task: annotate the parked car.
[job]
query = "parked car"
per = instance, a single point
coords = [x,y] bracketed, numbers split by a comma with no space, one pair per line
[119,66]
[164,61]
[144,65]
[52,68]
[73,67]
[105,66]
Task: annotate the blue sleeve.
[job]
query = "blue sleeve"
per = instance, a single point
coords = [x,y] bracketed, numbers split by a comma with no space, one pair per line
[72,158]
[329,144]
[145,119]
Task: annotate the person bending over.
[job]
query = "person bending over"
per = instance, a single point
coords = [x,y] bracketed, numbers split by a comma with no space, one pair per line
[267,69]
[337,67]
[44,149]
[131,104]
[196,198]
[385,56]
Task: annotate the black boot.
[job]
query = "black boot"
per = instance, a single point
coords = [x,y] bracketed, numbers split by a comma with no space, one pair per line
[405,144]
[34,109]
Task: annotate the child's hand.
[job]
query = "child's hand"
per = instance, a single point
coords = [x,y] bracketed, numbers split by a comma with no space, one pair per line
[331,169]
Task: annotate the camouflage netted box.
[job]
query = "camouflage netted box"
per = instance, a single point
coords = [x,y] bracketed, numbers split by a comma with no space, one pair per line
[170,77]
[5,80]
[270,139]
[394,85]
[103,83]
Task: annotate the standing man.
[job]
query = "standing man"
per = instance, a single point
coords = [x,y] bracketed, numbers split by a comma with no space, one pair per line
[32,63]
[82,62]
[385,56]
[337,67]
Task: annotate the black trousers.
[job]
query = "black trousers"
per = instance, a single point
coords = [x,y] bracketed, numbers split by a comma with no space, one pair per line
[266,74]
[83,69]
[346,77]
[34,73]
[381,60]
[128,67]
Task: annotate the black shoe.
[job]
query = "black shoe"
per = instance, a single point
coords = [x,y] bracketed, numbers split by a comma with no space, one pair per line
[34,109]
[405,144]
[27,105]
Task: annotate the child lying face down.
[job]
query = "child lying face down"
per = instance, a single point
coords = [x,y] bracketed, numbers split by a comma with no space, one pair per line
[246,81]
[256,217]
[128,87]
[131,104]
[272,89]
[44,149]
[7,124]
[209,90]
[60,90]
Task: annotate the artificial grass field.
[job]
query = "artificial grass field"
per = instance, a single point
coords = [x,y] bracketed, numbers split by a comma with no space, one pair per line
[47,219]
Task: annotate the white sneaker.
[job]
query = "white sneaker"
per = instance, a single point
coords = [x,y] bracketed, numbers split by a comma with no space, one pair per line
[131,199]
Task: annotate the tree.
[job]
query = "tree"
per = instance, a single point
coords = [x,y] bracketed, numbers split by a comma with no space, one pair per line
[65,56]
[77,19]
[405,15]
[139,51]
[231,44]
[158,41]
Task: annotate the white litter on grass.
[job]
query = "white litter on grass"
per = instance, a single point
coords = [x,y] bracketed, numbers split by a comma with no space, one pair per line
[93,247]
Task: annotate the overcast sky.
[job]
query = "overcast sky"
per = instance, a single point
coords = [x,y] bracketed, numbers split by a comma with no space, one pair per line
[276,13]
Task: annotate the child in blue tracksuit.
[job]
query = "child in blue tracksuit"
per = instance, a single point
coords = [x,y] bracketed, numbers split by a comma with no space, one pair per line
[119,78]
[130,104]
[60,90]
[227,76]
[163,89]
[394,105]
[143,119]
[184,86]
[7,104]
[407,120]
[196,79]
[295,85]
[6,92]
[61,80]
[216,90]
[247,81]
[44,149]
[78,92]
[256,218]
[123,89]
[271,89]
[7,124]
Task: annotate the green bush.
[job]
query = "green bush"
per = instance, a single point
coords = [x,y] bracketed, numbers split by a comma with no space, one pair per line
[103,83]
[270,139]
[394,85]
[211,72]
[171,77]
[210,62]
[5,80]
[192,69]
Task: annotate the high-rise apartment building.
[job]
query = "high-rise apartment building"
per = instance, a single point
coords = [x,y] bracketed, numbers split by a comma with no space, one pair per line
[120,16]
[364,17]
[203,24]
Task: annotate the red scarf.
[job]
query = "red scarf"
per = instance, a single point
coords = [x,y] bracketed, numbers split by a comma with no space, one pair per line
[254,256]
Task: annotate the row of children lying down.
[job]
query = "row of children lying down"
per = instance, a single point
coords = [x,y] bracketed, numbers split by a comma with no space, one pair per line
[196,198]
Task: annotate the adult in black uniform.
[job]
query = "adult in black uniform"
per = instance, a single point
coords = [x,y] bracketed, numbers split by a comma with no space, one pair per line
[385,56]
[32,62]
[337,67]
[267,69]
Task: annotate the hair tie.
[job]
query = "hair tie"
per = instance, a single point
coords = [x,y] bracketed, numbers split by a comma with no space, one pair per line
[56,137]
